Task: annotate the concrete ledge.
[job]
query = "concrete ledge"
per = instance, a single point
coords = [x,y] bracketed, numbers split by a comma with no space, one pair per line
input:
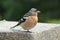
[15,36]
[42,31]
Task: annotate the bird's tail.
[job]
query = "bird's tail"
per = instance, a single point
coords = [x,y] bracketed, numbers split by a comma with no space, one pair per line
[15,25]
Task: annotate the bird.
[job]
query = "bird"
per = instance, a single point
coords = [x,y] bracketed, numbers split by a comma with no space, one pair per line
[29,20]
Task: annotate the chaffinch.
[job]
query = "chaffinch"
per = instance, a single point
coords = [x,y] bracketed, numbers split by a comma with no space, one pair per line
[29,20]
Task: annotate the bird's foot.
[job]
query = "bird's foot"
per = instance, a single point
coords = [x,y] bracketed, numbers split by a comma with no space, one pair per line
[28,31]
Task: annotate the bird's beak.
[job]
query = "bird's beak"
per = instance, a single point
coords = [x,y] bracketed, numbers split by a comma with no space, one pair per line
[38,11]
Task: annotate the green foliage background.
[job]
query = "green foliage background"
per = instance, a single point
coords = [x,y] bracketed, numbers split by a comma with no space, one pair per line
[13,10]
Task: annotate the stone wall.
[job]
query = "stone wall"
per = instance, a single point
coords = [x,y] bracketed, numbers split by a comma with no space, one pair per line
[45,32]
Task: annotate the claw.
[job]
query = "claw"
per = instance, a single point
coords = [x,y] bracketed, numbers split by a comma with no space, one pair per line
[29,31]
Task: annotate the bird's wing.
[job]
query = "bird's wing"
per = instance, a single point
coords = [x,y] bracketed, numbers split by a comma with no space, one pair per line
[23,19]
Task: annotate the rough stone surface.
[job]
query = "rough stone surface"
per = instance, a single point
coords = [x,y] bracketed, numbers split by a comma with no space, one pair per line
[15,36]
[53,34]
[45,32]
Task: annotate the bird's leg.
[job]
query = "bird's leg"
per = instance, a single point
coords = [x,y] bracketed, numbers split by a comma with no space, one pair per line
[29,31]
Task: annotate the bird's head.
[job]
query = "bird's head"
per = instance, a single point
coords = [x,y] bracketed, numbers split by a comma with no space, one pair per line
[33,12]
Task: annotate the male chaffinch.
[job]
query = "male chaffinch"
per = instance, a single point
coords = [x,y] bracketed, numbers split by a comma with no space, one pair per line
[29,20]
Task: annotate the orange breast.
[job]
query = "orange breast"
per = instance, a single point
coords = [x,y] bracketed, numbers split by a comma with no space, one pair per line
[30,22]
